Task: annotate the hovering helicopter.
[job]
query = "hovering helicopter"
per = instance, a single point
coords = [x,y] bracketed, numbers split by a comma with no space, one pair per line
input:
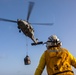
[25,26]
[27,29]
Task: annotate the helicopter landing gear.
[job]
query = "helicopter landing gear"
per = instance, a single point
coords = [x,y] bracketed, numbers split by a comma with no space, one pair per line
[19,31]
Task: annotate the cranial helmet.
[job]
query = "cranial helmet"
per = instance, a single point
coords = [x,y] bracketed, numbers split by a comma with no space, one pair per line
[53,40]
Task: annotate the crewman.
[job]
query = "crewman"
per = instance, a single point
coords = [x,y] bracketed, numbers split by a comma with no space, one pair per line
[58,60]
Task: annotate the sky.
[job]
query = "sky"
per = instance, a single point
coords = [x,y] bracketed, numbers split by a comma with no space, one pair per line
[13,47]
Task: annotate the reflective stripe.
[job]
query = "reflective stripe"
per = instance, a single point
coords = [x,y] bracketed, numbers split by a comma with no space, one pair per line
[63,72]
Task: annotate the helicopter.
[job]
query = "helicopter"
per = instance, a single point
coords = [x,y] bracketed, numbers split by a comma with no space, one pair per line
[25,26]
[27,29]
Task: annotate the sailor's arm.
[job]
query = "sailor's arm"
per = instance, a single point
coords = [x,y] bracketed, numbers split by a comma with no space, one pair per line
[41,65]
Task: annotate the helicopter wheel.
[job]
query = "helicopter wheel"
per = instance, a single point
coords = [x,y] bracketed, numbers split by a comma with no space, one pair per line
[19,31]
[18,27]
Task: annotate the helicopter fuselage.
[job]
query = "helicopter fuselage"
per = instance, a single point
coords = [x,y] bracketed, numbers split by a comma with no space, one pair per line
[27,29]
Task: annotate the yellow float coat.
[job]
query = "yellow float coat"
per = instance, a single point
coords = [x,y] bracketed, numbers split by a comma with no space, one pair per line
[56,60]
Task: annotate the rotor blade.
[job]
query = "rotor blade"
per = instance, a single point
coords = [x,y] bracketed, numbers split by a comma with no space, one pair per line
[43,23]
[1,19]
[31,4]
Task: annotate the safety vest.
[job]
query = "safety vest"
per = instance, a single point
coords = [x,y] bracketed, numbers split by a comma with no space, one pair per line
[57,60]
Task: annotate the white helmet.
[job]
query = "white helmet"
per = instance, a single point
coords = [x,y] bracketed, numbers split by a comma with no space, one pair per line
[53,40]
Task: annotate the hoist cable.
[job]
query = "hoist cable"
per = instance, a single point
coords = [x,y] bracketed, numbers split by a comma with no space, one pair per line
[26,46]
